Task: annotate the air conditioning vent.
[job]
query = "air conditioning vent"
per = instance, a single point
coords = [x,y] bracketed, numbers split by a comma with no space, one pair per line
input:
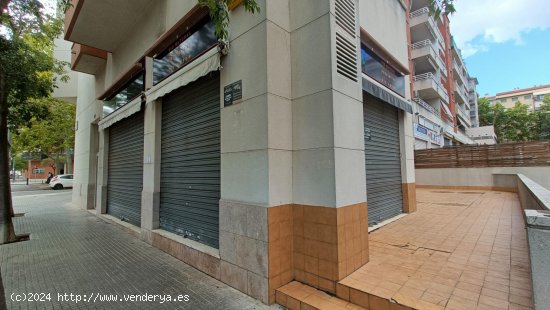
[346,58]
[345,15]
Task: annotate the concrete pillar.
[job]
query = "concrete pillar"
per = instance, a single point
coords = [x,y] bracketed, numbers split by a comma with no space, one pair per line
[92,167]
[406,137]
[150,197]
[256,159]
[329,191]
[102,171]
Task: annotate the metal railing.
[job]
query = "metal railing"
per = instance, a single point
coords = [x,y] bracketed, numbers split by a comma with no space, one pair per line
[420,12]
[435,31]
[421,44]
[425,76]
[430,76]
[426,106]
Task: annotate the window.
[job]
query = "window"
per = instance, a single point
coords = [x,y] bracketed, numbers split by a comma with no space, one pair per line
[373,66]
[185,49]
[514,99]
[129,92]
[503,100]
[527,97]
[38,170]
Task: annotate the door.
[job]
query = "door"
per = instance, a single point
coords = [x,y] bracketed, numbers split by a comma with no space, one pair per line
[190,166]
[382,160]
[125,169]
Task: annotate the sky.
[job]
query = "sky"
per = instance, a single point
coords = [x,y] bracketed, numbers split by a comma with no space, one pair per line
[504,43]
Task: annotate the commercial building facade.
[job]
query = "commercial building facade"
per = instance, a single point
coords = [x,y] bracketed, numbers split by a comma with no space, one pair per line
[483,135]
[259,166]
[440,81]
[532,97]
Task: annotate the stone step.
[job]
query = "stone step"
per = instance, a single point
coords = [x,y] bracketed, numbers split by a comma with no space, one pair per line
[298,296]
[376,299]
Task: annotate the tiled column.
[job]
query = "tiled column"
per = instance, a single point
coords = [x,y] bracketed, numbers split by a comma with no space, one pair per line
[330,231]
[407,162]
[256,159]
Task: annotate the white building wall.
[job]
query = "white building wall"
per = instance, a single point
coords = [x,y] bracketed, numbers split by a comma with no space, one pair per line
[386,22]
[86,137]
[66,91]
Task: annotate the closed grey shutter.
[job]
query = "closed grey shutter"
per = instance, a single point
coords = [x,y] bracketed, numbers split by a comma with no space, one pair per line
[190,166]
[383,160]
[125,176]
[420,144]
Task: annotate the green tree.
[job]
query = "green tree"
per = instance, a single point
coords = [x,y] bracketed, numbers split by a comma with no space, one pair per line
[499,122]
[485,111]
[520,124]
[438,7]
[26,71]
[52,136]
[543,117]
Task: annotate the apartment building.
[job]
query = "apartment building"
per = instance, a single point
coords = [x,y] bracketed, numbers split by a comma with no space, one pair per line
[258,165]
[532,97]
[439,84]
[472,99]
[483,135]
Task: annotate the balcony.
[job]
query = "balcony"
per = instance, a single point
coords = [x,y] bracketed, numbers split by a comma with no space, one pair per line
[427,111]
[457,70]
[460,96]
[87,59]
[442,66]
[103,24]
[424,56]
[464,117]
[424,27]
[429,87]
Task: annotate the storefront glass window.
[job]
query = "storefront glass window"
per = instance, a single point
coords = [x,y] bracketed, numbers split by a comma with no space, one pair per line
[373,66]
[187,48]
[131,91]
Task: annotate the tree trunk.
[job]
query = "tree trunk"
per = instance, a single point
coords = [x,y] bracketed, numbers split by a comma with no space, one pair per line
[6,224]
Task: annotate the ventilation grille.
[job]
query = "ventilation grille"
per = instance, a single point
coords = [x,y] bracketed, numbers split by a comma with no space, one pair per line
[346,58]
[345,15]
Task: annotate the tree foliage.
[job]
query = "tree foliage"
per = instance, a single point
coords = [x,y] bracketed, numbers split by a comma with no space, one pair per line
[543,116]
[517,123]
[438,7]
[219,13]
[485,111]
[27,69]
[52,136]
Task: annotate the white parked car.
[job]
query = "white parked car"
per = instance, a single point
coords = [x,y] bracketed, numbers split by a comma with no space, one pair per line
[61,181]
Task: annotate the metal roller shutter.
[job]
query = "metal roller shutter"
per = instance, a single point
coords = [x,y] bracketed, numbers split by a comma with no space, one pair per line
[420,144]
[125,176]
[383,160]
[190,166]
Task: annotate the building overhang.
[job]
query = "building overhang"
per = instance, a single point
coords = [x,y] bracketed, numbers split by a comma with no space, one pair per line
[102,24]
[87,59]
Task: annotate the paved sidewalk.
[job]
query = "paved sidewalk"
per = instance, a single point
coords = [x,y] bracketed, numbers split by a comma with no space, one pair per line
[460,250]
[72,251]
